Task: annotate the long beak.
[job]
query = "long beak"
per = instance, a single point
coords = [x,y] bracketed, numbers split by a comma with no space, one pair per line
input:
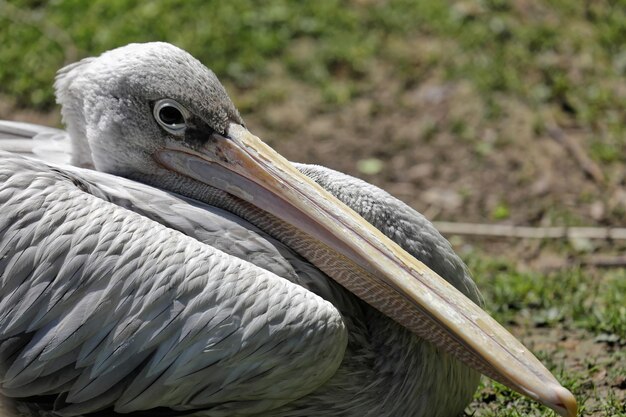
[387,277]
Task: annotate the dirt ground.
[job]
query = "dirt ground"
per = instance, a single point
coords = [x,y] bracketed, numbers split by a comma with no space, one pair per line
[577,351]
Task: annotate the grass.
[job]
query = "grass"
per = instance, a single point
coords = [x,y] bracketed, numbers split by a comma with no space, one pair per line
[324,42]
[583,298]
[583,307]
[495,400]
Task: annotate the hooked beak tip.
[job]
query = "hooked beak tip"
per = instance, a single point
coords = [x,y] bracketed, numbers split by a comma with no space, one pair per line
[564,402]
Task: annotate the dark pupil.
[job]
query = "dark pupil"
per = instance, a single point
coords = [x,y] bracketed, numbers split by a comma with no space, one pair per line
[171,116]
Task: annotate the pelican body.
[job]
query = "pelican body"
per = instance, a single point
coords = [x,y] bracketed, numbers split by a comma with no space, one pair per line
[194,271]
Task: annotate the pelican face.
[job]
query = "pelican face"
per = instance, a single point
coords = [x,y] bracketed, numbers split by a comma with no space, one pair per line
[154,113]
[124,106]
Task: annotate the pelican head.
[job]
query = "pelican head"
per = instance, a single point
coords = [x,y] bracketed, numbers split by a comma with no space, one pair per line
[129,103]
[154,113]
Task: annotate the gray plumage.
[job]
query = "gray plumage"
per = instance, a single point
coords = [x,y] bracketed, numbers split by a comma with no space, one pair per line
[122,297]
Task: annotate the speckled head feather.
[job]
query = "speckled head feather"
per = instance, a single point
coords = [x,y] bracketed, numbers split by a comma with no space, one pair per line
[110,97]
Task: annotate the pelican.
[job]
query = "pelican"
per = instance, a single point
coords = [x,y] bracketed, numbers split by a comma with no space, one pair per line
[196,272]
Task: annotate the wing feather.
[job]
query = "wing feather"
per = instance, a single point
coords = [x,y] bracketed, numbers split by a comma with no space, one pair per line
[47,143]
[106,308]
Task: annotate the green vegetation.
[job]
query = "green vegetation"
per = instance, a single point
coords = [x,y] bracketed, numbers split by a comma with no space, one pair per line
[584,298]
[584,308]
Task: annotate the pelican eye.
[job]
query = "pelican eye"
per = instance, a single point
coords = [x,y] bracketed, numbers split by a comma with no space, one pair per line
[171,116]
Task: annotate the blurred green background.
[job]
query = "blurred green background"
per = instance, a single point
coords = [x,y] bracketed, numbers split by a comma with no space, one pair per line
[487,111]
